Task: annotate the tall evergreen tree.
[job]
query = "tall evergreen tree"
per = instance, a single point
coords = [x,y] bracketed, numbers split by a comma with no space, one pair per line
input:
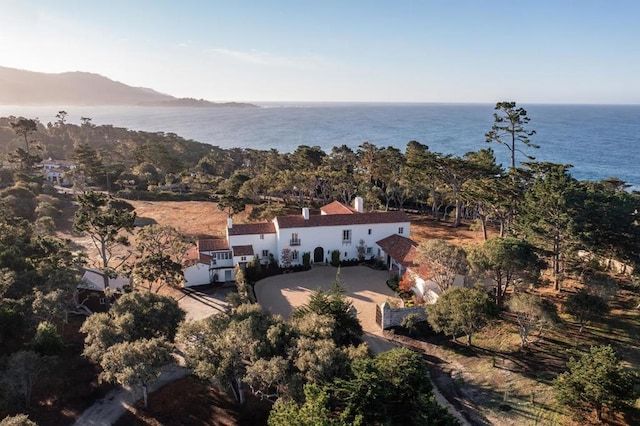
[508,128]
[547,214]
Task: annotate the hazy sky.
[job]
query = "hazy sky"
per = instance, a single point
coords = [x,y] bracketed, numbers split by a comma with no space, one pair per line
[375,50]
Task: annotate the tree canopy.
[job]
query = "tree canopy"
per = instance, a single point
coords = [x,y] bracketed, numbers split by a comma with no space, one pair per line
[460,310]
[595,381]
[104,218]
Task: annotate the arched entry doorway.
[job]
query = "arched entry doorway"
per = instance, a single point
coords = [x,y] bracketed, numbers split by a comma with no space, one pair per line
[318,255]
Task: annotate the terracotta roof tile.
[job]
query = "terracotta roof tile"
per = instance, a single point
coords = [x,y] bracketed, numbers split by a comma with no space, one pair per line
[336,207]
[213,244]
[243,250]
[402,249]
[253,228]
[193,256]
[298,221]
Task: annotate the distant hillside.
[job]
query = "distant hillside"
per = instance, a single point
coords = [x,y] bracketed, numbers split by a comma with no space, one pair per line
[20,87]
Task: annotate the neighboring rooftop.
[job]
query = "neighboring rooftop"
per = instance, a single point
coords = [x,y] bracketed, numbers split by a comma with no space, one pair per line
[93,279]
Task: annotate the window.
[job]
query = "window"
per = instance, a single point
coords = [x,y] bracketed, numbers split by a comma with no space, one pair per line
[265,253]
[400,230]
[369,231]
[378,252]
[243,258]
[369,250]
[295,241]
[103,300]
[294,255]
[346,236]
[225,255]
[262,236]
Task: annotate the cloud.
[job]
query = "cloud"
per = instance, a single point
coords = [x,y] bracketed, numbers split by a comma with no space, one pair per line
[268,59]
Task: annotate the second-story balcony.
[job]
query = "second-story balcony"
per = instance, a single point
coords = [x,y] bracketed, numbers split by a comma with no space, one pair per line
[294,242]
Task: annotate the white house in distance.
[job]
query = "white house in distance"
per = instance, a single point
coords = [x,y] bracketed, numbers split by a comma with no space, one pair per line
[338,227]
[55,170]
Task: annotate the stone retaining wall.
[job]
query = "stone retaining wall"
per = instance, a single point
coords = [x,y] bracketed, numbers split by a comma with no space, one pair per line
[392,317]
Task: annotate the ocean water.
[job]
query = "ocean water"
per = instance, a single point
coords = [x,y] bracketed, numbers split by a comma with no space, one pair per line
[600,141]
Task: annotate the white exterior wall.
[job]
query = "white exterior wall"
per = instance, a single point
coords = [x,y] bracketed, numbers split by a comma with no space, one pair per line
[197,274]
[219,263]
[200,274]
[429,290]
[268,243]
[330,238]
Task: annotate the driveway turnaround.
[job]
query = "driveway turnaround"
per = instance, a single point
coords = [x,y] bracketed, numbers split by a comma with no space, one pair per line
[366,287]
[202,303]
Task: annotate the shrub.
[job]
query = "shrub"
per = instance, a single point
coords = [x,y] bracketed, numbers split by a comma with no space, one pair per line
[306,258]
[47,340]
[362,250]
[586,307]
[335,258]
[410,323]
[407,283]
[393,284]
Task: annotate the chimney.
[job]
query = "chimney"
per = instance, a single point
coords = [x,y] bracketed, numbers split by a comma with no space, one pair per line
[229,223]
[305,213]
[358,204]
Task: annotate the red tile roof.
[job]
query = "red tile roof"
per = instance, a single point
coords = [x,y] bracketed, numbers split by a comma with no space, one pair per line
[253,228]
[336,207]
[193,256]
[243,250]
[298,221]
[402,249]
[213,244]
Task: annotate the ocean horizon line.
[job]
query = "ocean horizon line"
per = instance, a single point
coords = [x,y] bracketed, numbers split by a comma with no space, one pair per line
[323,103]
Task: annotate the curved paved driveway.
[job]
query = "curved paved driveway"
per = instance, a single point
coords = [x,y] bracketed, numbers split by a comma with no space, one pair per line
[365,287]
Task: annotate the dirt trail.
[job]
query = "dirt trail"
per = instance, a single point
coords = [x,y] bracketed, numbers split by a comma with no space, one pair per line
[108,410]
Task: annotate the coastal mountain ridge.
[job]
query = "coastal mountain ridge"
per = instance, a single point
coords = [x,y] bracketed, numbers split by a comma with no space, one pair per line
[21,87]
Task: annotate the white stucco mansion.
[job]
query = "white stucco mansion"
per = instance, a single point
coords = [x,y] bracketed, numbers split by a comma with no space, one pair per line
[349,230]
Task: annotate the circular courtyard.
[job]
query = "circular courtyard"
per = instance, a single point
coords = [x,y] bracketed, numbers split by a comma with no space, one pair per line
[365,288]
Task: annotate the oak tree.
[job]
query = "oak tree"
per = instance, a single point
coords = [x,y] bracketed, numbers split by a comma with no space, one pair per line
[136,363]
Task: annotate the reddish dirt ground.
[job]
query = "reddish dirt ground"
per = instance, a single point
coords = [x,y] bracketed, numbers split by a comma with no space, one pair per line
[190,401]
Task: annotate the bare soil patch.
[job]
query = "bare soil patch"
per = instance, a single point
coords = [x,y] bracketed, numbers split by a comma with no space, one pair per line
[425,228]
[190,401]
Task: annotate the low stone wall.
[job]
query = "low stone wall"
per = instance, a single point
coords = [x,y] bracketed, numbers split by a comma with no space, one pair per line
[392,317]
